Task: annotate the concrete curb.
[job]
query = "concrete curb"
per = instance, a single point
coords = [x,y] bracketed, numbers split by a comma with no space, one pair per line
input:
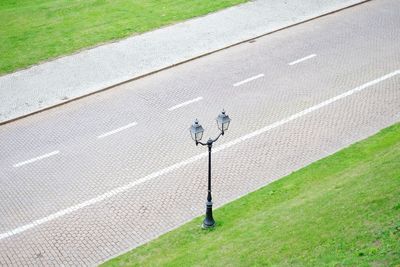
[176,64]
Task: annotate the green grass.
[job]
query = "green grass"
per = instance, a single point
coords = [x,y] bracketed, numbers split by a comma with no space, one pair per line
[343,210]
[35,30]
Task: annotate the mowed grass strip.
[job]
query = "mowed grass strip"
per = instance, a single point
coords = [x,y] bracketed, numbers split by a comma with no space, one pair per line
[32,31]
[343,210]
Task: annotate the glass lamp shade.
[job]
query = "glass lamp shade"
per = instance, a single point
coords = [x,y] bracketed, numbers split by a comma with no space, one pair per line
[196,131]
[223,121]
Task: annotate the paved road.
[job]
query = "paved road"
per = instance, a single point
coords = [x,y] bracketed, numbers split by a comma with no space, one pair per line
[86,181]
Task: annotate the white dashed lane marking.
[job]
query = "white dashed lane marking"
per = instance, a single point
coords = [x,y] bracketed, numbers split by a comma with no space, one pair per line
[19,164]
[186,103]
[117,130]
[249,80]
[302,59]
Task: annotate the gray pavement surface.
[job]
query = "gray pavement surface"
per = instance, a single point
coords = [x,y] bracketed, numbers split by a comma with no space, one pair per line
[98,197]
[69,77]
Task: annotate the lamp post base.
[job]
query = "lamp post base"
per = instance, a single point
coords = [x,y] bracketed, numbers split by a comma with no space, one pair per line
[209,220]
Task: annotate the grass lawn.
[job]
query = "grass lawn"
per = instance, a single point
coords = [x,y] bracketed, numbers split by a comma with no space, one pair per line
[343,210]
[35,30]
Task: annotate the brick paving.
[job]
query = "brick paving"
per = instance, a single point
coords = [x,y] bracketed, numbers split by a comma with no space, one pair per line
[88,167]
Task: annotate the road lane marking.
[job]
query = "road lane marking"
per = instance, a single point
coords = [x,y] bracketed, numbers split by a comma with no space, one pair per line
[19,164]
[117,130]
[193,159]
[186,103]
[249,80]
[302,59]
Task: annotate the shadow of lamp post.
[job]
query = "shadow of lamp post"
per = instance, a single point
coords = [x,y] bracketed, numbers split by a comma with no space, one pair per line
[196,131]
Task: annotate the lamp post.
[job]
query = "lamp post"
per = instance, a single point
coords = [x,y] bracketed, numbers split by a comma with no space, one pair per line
[196,131]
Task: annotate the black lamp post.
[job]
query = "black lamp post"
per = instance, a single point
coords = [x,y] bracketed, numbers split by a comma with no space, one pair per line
[196,132]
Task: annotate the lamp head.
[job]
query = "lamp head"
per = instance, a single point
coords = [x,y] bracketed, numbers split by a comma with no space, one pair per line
[196,131]
[223,121]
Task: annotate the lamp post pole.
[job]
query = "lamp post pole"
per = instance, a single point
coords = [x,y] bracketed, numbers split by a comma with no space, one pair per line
[196,131]
[209,220]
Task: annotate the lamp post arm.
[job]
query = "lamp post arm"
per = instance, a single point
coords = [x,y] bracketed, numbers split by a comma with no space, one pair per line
[210,141]
[201,143]
[221,133]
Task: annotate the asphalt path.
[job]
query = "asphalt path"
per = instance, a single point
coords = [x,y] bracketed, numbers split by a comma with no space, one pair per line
[85,181]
